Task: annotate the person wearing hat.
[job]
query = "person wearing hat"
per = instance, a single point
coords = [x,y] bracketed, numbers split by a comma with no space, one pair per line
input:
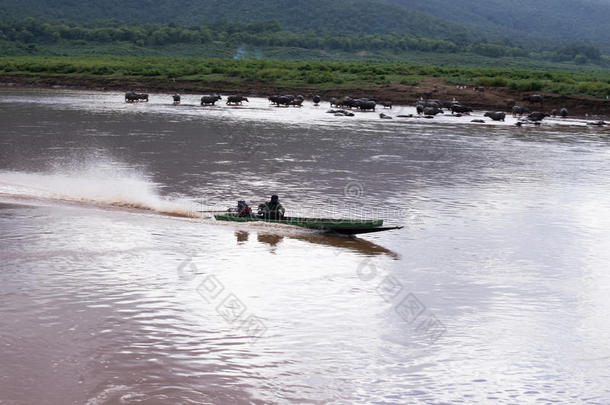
[243,209]
[273,209]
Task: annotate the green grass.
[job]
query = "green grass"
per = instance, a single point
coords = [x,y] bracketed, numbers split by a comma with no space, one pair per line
[311,73]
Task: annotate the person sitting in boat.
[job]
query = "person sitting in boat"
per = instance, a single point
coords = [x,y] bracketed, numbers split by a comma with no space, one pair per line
[243,209]
[272,209]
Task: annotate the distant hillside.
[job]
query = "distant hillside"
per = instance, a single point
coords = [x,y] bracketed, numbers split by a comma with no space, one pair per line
[538,26]
[346,16]
[561,20]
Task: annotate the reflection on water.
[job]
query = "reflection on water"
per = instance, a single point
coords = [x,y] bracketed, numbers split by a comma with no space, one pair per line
[269,239]
[107,299]
[242,237]
[360,246]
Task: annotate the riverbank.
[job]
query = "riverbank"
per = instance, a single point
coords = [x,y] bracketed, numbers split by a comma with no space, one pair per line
[581,92]
[488,99]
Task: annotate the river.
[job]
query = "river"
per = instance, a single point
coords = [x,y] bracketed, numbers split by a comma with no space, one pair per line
[116,289]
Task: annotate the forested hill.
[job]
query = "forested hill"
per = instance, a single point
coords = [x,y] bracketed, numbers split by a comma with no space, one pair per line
[322,16]
[539,24]
[561,20]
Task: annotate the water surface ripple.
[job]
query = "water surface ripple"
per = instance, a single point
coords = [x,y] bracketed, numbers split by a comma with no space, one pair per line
[114,289]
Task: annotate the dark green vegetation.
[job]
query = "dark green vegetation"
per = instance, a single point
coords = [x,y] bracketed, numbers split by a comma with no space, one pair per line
[234,73]
[382,43]
[264,39]
[556,21]
[350,16]
[571,20]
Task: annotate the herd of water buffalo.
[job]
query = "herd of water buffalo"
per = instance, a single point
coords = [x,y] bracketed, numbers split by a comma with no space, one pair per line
[343,106]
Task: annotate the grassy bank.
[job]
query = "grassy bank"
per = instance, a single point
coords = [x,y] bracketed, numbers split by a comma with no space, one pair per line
[238,73]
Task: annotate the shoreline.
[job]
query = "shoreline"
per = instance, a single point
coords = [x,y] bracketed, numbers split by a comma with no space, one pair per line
[490,99]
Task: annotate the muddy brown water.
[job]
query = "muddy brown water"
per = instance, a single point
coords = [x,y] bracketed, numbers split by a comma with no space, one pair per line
[114,289]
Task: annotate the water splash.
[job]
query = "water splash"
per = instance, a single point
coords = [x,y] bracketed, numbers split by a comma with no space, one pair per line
[102,184]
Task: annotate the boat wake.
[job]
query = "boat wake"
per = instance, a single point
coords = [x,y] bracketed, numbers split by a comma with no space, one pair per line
[97,186]
[112,188]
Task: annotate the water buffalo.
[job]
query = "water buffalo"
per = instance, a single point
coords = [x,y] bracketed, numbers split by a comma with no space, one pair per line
[285,100]
[210,100]
[281,100]
[347,101]
[236,100]
[341,113]
[457,108]
[537,116]
[176,98]
[334,102]
[420,108]
[432,111]
[433,103]
[517,110]
[296,102]
[563,112]
[496,116]
[364,104]
[387,104]
[534,98]
[449,104]
[133,97]
[316,100]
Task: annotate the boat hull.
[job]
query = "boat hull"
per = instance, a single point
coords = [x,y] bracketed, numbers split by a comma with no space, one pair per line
[340,226]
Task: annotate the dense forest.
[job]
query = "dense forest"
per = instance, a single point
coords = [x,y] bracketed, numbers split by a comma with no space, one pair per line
[515,21]
[29,36]
[560,21]
[281,43]
[314,16]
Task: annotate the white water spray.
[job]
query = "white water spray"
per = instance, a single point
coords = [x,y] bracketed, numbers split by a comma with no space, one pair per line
[97,184]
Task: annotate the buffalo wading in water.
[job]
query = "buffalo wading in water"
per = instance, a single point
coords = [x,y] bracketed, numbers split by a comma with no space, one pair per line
[364,104]
[210,100]
[563,112]
[346,101]
[316,100]
[460,109]
[286,100]
[496,115]
[296,102]
[431,111]
[537,116]
[339,113]
[433,103]
[518,110]
[133,97]
[236,100]
[176,98]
